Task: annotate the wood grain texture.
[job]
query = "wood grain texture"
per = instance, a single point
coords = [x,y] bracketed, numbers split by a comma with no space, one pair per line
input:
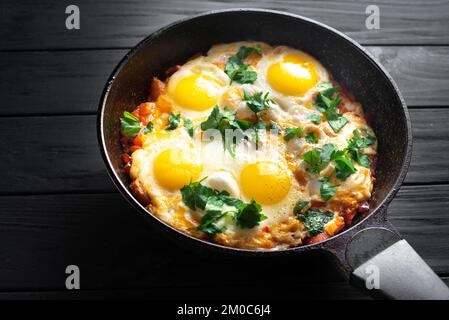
[115,249]
[41,24]
[71,82]
[60,154]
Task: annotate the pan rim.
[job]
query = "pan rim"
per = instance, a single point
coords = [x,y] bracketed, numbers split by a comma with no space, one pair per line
[126,193]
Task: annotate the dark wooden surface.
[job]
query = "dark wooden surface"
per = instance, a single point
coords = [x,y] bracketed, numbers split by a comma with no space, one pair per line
[58,207]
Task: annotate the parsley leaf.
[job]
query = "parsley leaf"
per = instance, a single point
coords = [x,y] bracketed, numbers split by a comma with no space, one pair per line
[239,72]
[327,102]
[359,142]
[148,128]
[218,204]
[327,191]
[318,158]
[249,215]
[189,127]
[173,121]
[314,220]
[274,128]
[208,223]
[315,118]
[311,138]
[343,165]
[244,52]
[130,124]
[291,133]
[301,204]
[257,102]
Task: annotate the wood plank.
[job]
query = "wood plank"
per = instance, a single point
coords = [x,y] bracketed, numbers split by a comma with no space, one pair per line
[121,23]
[60,154]
[71,82]
[115,249]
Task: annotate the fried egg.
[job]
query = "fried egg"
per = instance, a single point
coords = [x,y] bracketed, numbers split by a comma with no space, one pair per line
[195,88]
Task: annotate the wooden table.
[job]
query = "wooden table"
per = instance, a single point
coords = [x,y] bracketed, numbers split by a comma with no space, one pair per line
[58,206]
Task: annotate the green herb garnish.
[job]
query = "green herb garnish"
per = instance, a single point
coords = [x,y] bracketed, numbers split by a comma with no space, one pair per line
[239,71]
[219,204]
[327,102]
[189,127]
[301,204]
[173,121]
[257,102]
[311,138]
[327,191]
[315,118]
[315,220]
[291,133]
[130,124]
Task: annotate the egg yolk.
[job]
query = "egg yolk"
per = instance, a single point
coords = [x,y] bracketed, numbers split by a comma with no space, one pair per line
[294,75]
[174,168]
[197,92]
[266,182]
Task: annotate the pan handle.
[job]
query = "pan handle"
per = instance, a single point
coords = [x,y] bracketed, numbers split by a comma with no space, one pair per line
[383,265]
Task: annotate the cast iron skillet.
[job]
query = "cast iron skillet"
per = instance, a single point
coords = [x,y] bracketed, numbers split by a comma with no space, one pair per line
[369,251]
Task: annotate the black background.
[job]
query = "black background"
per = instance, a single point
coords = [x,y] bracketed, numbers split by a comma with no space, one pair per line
[58,207]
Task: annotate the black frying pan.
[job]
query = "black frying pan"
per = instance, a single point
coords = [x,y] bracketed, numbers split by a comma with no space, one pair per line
[370,250]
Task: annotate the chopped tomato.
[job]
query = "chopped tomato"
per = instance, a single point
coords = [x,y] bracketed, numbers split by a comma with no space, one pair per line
[172,70]
[138,140]
[300,177]
[318,238]
[373,165]
[156,88]
[317,203]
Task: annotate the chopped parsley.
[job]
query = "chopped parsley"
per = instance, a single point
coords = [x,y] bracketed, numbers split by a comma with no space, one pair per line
[239,71]
[244,52]
[318,158]
[315,220]
[315,118]
[327,191]
[258,102]
[219,204]
[224,120]
[189,127]
[327,102]
[301,204]
[274,128]
[359,142]
[130,125]
[173,121]
[148,128]
[311,138]
[291,133]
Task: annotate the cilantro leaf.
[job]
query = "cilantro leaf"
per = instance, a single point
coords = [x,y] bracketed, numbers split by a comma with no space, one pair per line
[315,220]
[359,142]
[218,204]
[239,72]
[208,223]
[244,52]
[343,165]
[148,128]
[301,204]
[327,101]
[318,158]
[274,128]
[327,191]
[291,133]
[130,124]
[311,138]
[258,102]
[173,121]
[315,118]
[249,215]
[189,127]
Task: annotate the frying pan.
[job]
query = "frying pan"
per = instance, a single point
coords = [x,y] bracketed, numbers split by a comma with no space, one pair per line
[372,254]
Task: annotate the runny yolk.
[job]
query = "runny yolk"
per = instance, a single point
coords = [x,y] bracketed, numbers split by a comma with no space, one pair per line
[265,181]
[174,168]
[196,92]
[294,75]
